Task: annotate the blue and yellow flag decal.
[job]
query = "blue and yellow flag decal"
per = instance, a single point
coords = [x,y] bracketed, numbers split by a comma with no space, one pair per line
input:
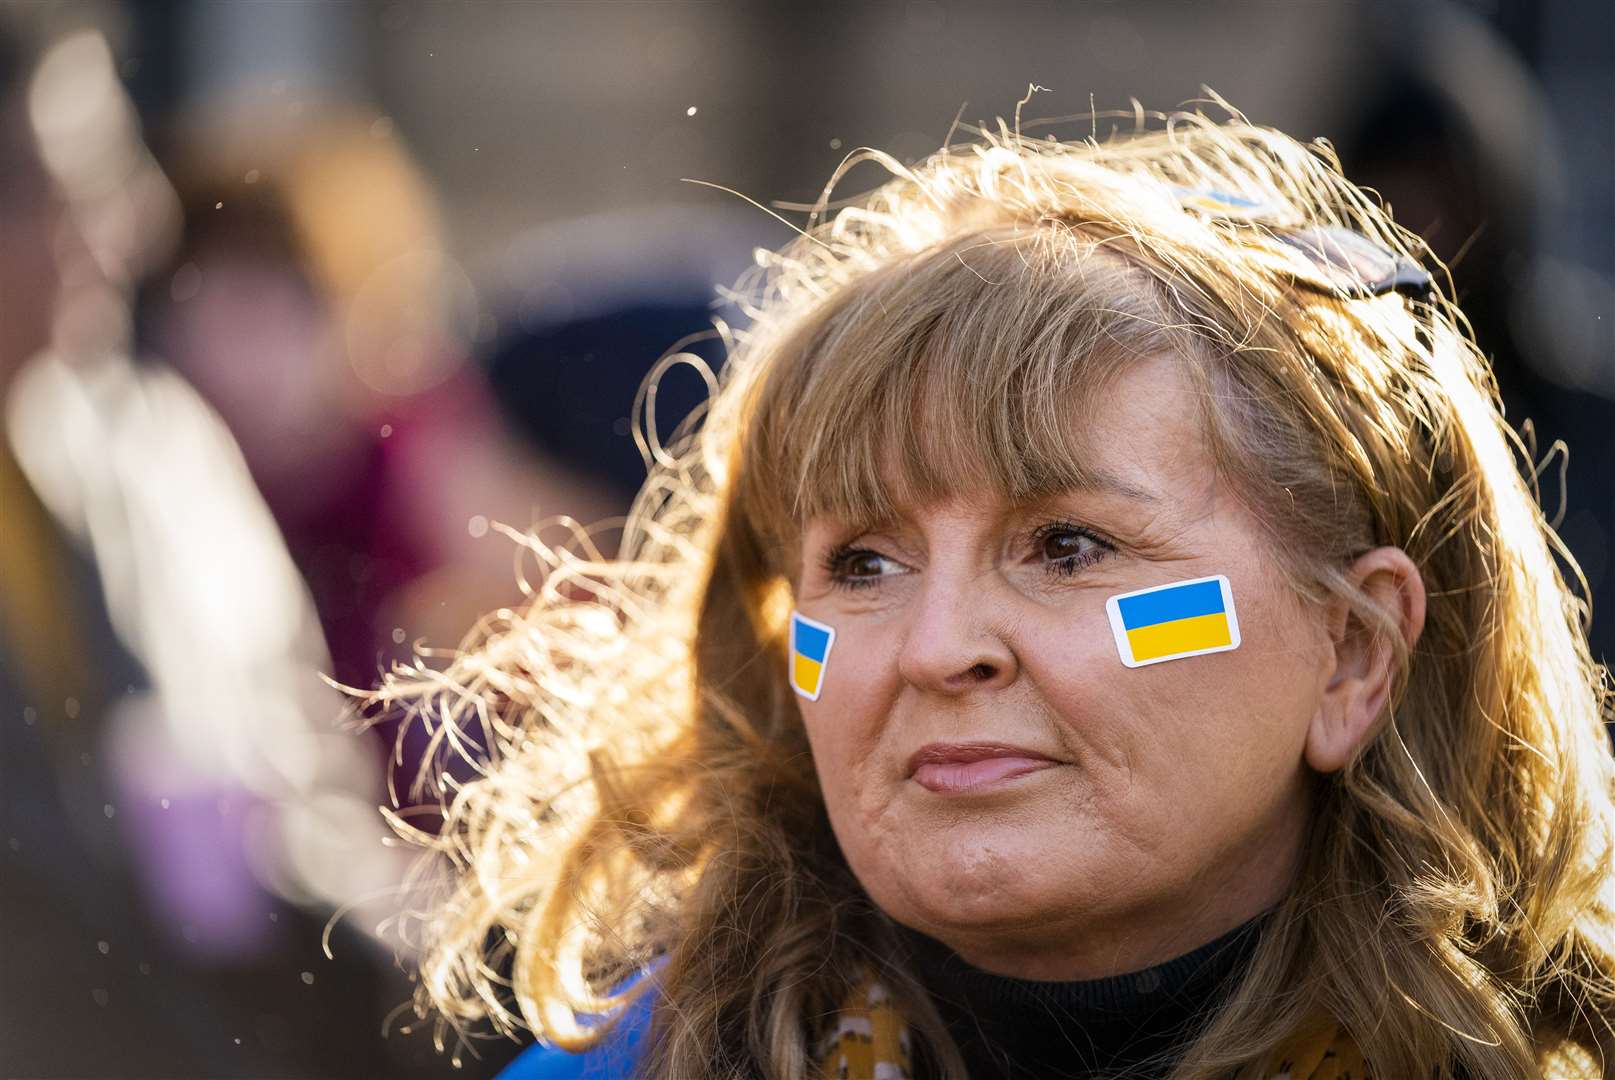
[1168,622]
[810,651]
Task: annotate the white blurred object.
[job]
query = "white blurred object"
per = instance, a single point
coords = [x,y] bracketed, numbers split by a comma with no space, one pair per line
[89,137]
[237,741]
[201,590]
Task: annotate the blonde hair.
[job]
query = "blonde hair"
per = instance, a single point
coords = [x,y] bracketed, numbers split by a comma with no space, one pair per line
[646,787]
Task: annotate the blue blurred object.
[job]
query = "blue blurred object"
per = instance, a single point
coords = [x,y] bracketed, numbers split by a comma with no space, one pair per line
[568,387]
[613,1059]
[585,308]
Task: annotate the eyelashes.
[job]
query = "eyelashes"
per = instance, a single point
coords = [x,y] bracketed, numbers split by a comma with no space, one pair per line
[850,567]
[838,561]
[1067,564]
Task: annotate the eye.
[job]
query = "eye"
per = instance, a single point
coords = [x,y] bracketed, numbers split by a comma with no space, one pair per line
[1068,548]
[858,568]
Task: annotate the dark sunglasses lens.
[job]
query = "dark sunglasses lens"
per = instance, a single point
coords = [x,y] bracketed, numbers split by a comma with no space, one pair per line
[1354,265]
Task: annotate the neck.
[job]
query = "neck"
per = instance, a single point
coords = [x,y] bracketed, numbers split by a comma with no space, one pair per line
[1208,959]
[1095,952]
[1007,1026]
[1241,887]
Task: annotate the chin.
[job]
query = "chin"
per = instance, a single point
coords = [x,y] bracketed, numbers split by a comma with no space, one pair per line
[976,894]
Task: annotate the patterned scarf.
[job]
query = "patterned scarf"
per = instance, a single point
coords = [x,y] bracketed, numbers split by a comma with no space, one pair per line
[870,1041]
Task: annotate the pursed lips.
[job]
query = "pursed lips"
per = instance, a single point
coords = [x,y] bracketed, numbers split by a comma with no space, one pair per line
[960,768]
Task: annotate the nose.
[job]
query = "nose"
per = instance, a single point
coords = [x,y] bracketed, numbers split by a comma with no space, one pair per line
[955,641]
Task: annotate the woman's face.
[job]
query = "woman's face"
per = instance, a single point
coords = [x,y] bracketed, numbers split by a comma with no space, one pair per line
[1177,797]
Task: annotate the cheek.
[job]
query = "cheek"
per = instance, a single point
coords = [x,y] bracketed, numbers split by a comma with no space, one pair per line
[845,724]
[844,727]
[1209,724]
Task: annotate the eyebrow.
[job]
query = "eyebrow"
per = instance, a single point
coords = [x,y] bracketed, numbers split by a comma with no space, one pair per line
[1104,482]
[1110,482]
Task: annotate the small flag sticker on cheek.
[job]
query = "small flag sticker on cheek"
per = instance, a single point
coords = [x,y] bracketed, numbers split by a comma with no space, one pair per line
[1170,622]
[810,652]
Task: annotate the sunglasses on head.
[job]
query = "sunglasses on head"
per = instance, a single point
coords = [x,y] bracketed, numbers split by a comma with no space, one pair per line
[1331,259]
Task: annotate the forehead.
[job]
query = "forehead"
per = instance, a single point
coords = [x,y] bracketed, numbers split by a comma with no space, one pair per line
[1150,422]
[1139,444]
[1025,374]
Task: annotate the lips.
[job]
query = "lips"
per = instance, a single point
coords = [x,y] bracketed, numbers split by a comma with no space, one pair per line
[951,767]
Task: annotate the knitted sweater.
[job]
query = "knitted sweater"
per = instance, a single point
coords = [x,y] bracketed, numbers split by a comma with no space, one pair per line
[869,1040]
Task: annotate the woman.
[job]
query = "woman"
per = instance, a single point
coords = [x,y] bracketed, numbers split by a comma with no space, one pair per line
[1099,625]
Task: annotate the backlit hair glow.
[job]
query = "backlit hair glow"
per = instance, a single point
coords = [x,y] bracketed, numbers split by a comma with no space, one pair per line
[644,781]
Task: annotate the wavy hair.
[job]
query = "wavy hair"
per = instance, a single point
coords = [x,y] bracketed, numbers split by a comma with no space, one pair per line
[645,787]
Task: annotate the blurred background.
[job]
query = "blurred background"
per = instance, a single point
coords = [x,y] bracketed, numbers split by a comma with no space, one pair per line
[300,302]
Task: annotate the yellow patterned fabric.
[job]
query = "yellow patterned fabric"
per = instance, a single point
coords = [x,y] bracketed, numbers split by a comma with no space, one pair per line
[37,597]
[869,1040]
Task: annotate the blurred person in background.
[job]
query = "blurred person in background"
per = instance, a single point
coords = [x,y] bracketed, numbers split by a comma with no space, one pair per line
[60,668]
[1457,133]
[179,814]
[305,299]
[310,300]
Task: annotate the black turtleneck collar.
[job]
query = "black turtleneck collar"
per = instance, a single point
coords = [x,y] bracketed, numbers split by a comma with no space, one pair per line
[1086,1028]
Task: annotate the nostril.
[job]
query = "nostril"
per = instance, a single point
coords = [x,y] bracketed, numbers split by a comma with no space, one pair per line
[982,672]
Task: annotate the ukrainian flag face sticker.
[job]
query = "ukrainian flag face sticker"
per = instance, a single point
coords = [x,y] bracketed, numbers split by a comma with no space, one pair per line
[1169,622]
[810,651]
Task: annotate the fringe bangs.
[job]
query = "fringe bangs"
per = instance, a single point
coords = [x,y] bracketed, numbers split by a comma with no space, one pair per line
[975,366]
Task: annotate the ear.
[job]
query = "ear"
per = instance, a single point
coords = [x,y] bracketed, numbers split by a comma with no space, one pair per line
[1364,658]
